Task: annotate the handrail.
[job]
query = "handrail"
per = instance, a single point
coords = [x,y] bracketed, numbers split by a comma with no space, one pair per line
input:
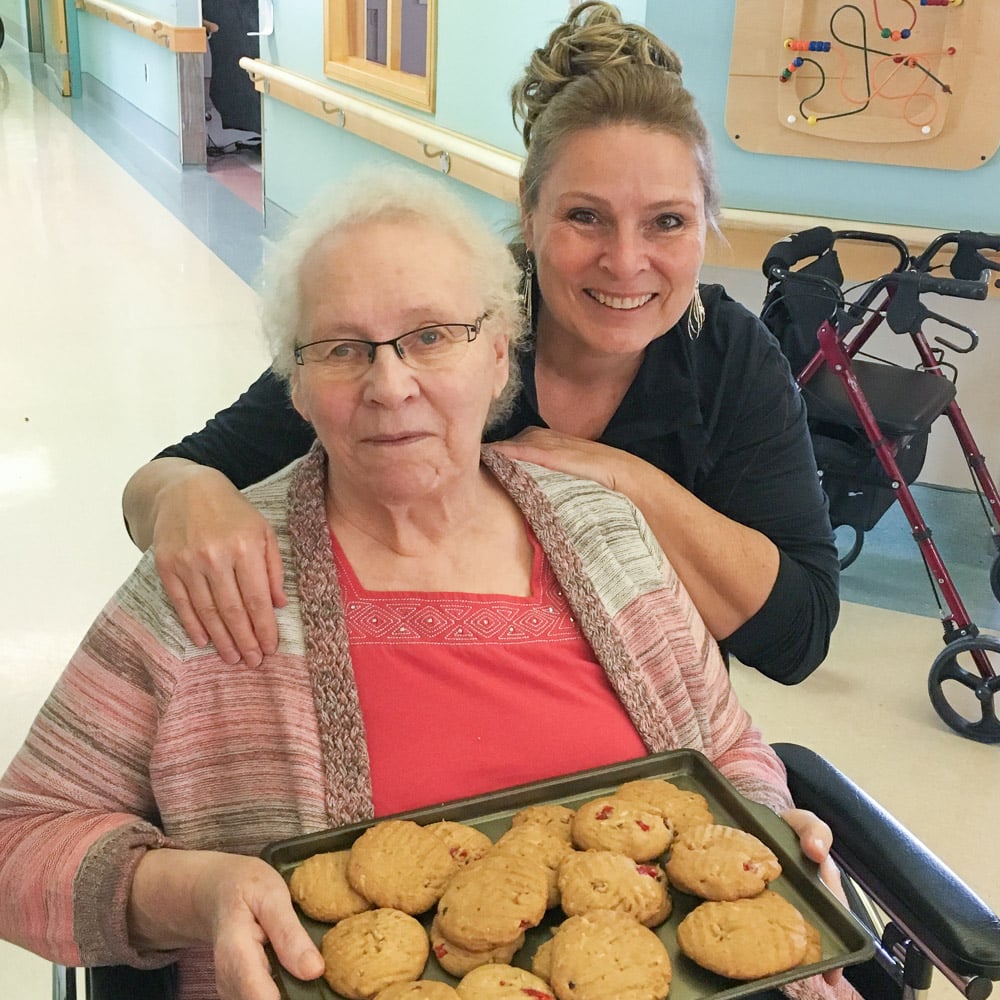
[170,36]
[746,235]
[486,167]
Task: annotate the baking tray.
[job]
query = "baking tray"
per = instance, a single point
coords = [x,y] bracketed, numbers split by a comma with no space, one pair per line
[844,941]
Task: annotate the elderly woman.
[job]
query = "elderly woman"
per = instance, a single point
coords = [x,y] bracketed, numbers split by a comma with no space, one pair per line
[457,622]
[636,376]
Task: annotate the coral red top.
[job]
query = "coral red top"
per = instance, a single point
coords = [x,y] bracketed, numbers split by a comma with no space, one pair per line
[468,693]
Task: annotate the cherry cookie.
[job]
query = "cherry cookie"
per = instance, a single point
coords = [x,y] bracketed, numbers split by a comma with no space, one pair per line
[746,938]
[616,824]
[370,951]
[721,863]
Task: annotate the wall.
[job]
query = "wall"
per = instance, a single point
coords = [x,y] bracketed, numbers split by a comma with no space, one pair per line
[938,199]
[133,68]
[14,15]
[301,153]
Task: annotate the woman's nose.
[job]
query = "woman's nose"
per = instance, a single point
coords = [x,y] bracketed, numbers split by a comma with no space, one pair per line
[625,253]
[388,380]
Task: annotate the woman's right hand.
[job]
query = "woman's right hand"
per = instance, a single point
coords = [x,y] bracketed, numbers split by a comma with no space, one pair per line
[219,562]
[236,904]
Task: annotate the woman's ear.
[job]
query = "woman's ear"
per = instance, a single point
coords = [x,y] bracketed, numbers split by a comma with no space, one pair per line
[526,233]
[501,347]
[296,394]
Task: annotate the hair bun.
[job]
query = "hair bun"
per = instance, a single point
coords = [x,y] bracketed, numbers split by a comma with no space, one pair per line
[592,38]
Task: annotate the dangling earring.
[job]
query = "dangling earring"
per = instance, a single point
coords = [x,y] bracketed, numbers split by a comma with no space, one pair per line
[527,287]
[696,315]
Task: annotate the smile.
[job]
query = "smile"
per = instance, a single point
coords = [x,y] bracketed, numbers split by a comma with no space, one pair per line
[620,302]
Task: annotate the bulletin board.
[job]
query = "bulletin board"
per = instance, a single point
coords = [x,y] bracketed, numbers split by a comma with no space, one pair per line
[906,82]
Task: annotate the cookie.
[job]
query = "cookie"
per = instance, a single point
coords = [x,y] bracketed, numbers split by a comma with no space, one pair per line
[682,808]
[538,843]
[370,951]
[503,982]
[606,955]
[814,945]
[466,843]
[615,824]
[558,818]
[493,901]
[399,864]
[541,961]
[721,862]
[320,887]
[459,961]
[745,938]
[422,989]
[603,880]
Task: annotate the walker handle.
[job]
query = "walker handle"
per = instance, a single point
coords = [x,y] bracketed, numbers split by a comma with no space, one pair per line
[809,243]
[968,262]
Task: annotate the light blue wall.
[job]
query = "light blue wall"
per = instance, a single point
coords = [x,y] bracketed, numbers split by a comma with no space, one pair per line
[938,199]
[14,15]
[135,68]
[138,70]
[481,49]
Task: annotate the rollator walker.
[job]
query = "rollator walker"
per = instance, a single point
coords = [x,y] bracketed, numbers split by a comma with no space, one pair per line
[870,419]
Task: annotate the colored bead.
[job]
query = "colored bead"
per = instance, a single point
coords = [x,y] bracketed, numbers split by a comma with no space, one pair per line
[798,61]
[886,33]
[905,33]
[805,45]
[811,119]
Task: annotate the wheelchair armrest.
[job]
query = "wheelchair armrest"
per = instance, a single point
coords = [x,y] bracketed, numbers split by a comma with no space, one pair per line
[912,885]
[116,982]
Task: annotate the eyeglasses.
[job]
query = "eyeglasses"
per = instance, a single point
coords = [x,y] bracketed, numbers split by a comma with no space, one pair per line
[428,347]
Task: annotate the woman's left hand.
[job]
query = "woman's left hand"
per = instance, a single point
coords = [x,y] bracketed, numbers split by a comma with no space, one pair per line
[816,839]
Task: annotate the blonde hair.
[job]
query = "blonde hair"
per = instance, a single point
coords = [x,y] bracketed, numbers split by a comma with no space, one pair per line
[596,70]
[391,194]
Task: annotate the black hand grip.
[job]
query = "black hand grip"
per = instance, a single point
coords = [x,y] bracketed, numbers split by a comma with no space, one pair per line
[958,288]
[968,262]
[798,246]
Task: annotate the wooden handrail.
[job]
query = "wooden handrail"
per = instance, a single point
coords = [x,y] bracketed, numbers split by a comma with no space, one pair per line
[170,36]
[746,235]
[485,167]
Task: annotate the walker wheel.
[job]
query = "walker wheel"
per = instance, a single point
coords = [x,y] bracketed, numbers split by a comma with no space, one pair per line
[846,558]
[995,577]
[977,719]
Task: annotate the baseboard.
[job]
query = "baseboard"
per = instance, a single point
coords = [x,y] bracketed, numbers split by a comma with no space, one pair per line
[151,133]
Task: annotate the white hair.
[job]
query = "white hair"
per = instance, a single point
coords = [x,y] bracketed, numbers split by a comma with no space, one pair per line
[396,194]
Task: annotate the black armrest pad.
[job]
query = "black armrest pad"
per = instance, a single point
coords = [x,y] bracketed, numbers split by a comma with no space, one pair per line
[902,874]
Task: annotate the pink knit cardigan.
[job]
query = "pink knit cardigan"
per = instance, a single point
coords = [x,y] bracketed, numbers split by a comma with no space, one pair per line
[147,740]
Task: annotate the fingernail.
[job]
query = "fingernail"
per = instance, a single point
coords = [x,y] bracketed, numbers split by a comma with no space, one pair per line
[253,659]
[311,963]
